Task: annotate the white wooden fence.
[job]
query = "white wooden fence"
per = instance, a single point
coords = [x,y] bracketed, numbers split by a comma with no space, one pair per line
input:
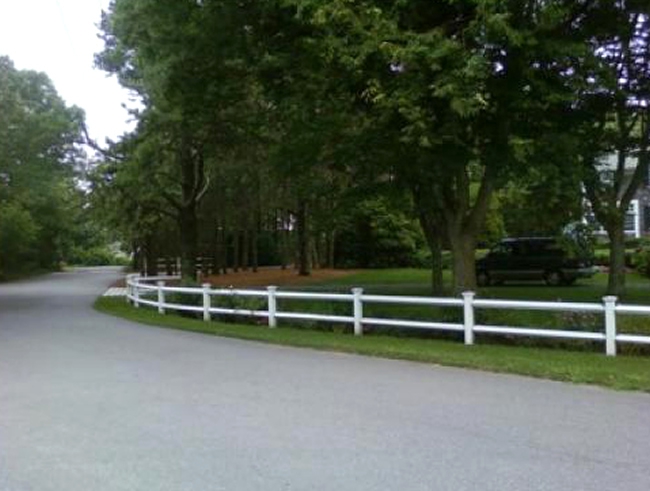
[152,291]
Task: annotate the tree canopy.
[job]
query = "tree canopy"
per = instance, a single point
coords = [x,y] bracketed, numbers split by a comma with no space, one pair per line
[269,120]
[39,160]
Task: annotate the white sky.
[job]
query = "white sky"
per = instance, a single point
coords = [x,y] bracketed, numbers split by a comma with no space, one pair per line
[59,37]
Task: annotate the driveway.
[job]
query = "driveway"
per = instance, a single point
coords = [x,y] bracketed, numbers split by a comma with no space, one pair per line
[89,402]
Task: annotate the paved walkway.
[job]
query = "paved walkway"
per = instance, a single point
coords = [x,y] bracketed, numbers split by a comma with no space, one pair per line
[115,291]
[93,403]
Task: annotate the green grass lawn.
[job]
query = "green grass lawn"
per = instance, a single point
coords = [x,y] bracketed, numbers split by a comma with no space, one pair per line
[409,281]
[622,372]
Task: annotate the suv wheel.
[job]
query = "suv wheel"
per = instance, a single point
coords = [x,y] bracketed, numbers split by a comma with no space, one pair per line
[554,278]
[482,278]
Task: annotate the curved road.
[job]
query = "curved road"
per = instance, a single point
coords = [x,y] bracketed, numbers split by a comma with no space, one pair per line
[89,402]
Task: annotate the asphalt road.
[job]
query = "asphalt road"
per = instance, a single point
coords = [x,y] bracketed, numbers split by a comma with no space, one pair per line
[92,403]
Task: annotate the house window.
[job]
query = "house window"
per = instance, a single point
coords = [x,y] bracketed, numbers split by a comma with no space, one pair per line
[630,220]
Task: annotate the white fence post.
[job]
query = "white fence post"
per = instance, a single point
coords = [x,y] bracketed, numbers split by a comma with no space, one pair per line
[128,289]
[206,301]
[610,325]
[136,295]
[468,317]
[273,305]
[357,303]
[161,297]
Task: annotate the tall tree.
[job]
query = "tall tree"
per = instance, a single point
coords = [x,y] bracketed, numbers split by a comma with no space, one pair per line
[614,102]
[468,83]
[183,58]
[38,158]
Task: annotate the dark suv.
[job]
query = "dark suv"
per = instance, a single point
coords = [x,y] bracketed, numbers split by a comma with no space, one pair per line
[531,259]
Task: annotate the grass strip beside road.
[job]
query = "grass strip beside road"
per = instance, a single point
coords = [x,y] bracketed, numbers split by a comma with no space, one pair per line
[623,372]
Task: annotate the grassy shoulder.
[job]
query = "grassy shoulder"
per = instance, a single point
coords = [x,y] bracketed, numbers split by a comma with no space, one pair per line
[623,372]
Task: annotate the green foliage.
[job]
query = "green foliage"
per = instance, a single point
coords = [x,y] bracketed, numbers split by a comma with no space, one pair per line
[377,236]
[237,302]
[542,202]
[578,241]
[494,226]
[100,255]
[38,161]
[257,111]
[18,240]
[641,260]
[192,299]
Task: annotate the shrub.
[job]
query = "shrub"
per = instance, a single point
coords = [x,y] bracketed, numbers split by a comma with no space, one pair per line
[377,235]
[641,260]
[192,299]
[95,256]
[18,236]
[578,241]
[238,302]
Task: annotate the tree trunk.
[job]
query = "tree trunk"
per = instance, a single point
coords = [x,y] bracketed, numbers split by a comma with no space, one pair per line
[437,281]
[331,240]
[246,249]
[315,254]
[193,186]
[254,249]
[463,246]
[151,256]
[257,225]
[284,240]
[135,258]
[189,237]
[223,250]
[463,221]
[282,247]
[236,256]
[434,241]
[216,250]
[304,249]
[616,277]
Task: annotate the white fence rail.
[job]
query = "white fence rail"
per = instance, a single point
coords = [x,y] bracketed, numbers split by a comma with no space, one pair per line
[152,291]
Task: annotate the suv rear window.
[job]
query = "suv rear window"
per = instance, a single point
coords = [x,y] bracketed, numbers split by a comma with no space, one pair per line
[547,248]
[541,247]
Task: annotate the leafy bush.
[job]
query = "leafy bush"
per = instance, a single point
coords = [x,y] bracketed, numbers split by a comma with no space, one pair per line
[95,256]
[641,260]
[376,235]
[238,302]
[635,243]
[192,299]
[18,237]
[578,241]
[422,259]
[601,258]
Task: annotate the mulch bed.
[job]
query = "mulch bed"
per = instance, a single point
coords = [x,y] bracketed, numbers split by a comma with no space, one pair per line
[265,276]
[274,276]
